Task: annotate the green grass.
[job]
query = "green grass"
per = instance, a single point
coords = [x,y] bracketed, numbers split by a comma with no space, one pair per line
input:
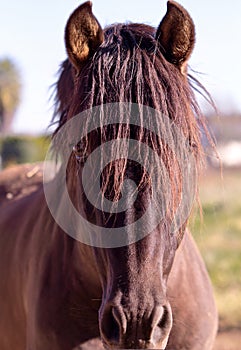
[23,149]
[218,236]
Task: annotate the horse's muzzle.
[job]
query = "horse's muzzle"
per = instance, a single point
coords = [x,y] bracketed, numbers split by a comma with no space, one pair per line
[121,329]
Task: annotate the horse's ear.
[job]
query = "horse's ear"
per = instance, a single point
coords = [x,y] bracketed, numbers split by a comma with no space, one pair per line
[83,35]
[176,34]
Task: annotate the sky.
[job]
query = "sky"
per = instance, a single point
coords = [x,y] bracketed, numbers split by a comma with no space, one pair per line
[31,34]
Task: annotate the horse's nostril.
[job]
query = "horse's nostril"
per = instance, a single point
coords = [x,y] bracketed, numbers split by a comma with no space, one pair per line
[162,324]
[165,318]
[112,325]
[151,331]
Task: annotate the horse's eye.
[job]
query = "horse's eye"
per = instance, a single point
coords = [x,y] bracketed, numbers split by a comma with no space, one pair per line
[80,152]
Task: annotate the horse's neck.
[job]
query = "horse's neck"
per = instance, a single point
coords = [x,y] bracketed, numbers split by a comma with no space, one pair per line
[60,258]
[78,262]
[86,269]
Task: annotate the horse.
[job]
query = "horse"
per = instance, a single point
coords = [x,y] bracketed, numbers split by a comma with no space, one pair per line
[150,289]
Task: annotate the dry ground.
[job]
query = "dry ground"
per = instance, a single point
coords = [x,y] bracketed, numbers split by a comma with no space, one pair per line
[228,340]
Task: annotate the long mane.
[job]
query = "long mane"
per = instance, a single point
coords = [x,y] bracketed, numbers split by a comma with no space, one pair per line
[129,67]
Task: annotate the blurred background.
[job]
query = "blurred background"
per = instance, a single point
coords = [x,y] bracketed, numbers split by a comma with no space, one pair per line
[31,50]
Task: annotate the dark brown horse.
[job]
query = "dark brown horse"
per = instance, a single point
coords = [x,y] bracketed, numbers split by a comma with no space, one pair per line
[153,293]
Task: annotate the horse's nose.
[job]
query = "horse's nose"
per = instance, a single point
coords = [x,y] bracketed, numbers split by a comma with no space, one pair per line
[147,332]
[161,326]
[113,325]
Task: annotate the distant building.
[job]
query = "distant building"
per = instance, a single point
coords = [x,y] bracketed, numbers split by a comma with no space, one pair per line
[230,154]
[227,132]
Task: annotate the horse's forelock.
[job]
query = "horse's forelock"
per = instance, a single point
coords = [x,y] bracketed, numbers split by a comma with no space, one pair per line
[129,67]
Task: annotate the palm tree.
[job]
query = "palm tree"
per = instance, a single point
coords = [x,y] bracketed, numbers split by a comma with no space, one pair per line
[9,93]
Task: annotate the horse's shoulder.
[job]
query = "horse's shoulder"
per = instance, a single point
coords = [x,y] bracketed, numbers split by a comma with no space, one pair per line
[20,180]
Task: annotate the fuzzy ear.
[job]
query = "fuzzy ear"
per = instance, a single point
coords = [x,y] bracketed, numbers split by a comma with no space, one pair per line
[83,35]
[176,34]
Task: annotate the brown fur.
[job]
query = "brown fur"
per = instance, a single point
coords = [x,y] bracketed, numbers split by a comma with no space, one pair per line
[55,292]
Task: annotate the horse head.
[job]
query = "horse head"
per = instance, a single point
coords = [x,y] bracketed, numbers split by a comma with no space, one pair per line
[123,66]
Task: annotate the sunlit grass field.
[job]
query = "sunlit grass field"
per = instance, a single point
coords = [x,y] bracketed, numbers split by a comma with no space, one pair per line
[218,236]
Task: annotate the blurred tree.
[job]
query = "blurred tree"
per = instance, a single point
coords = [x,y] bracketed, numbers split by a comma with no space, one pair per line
[9,93]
